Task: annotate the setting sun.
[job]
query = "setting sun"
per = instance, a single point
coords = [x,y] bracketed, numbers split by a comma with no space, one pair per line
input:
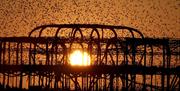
[79,58]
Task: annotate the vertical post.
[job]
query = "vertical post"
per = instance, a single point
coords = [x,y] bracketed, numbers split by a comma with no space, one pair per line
[105,81]
[3,60]
[47,63]
[126,64]
[168,65]
[63,80]
[179,81]
[76,84]
[133,75]
[29,74]
[162,75]
[0,52]
[17,56]
[21,77]
[9,59]
[87,81]
[82,82]
[144,75]
[111,82]
[151,65]
[97,85]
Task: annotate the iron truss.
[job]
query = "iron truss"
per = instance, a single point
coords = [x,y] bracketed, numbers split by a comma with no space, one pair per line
[121,59]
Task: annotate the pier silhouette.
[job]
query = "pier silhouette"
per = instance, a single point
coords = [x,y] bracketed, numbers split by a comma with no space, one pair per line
[122,58]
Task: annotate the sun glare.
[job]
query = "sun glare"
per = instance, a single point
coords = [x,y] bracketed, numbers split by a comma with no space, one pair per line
[79,58]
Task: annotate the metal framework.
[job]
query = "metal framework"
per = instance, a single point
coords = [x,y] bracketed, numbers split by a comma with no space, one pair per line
[121,59]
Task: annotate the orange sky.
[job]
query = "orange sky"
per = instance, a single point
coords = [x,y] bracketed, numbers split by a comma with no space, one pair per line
[154,18]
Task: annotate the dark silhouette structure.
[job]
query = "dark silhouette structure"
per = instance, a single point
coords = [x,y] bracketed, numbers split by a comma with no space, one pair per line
[121,59]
